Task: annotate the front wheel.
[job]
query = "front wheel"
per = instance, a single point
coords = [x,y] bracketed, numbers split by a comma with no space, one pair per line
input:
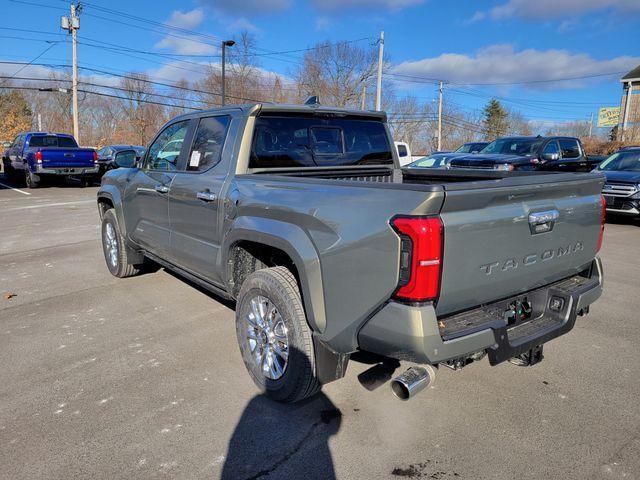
[274,337]
[116,253]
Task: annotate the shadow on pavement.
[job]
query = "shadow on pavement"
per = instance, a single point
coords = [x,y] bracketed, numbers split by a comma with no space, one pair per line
[283,440]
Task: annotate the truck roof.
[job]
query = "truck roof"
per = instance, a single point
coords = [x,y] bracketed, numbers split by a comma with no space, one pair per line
[42,134]
[252,108]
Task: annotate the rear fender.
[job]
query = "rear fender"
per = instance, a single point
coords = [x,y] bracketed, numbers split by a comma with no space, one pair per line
[292,240]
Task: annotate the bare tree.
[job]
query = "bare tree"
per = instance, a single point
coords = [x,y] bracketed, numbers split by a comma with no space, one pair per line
[337,72]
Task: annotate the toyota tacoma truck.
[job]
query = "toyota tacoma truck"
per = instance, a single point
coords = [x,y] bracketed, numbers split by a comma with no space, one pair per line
[36,156]
[302,216]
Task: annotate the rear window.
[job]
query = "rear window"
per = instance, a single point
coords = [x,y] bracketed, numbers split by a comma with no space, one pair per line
[52,141]
[310,141]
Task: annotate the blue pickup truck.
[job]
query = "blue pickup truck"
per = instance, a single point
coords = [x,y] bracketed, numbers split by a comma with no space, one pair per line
[35,156]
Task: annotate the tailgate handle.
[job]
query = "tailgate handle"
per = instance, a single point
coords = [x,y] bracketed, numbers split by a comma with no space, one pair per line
[541,222]
[68,154]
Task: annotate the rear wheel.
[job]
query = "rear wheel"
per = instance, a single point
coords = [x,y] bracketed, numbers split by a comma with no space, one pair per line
[31,180]
[116,253]
[274,337]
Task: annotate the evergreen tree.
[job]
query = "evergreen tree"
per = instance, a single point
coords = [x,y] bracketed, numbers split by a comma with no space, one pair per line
[495,120]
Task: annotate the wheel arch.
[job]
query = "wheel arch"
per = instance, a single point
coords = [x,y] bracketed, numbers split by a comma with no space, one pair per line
[262,238]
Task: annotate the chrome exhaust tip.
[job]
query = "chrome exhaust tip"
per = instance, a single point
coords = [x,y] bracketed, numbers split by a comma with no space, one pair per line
[413,381]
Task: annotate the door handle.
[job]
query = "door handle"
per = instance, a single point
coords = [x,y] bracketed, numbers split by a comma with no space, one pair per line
[207,196]
[161,189]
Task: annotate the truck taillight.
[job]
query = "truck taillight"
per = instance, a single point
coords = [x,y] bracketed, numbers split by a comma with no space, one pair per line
[95,157]
[603,215]
[39,156]
[420,257]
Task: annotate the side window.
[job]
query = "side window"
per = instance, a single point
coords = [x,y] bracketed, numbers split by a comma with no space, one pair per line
[570,148]
[16,141]
[208,143]
[165,150]
[551,147]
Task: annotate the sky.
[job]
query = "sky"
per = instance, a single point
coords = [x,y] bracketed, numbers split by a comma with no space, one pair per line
[520,51]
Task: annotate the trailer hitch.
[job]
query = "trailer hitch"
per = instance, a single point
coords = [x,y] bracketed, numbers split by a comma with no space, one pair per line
[529,358]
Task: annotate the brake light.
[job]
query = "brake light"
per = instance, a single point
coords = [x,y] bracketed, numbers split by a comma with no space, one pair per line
[39,156]
[420,257]
[603,217]
[95,157]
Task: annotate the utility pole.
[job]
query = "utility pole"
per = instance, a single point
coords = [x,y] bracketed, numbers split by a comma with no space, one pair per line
[591,124]
[225,44]
[379,80]
[627,107]
[72,25]
[363,105]
[39,122]
[440,116]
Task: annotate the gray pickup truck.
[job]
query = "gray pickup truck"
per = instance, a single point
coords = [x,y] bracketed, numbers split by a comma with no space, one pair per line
[302,215]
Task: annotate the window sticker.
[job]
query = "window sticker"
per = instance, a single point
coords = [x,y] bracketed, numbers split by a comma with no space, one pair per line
[194,161]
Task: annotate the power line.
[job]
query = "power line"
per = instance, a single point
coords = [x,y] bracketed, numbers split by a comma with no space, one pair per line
[53,44]
[419,79]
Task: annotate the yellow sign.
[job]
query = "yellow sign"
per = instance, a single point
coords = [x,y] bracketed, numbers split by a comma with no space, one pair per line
[608,116]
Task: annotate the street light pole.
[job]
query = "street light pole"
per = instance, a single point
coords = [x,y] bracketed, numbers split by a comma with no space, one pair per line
[225,44]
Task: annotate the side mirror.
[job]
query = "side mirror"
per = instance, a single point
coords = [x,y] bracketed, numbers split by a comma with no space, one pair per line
[6,144]
[402,151]
[125,159]
[550,156]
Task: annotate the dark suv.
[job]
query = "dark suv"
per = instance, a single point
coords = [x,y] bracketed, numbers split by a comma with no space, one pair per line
[622,190]
[564,154]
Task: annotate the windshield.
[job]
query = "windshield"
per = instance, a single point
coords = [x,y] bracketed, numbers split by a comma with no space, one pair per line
[470,147]
[52,141]
[310,141]
[628,161]
[513,146]
[433,161]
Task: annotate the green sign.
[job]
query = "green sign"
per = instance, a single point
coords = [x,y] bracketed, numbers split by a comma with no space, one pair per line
[608,116]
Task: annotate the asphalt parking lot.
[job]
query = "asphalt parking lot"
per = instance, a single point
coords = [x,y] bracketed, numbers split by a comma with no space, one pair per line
[104,378]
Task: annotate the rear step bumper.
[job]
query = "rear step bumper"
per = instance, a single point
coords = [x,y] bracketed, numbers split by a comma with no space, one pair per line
[416,334]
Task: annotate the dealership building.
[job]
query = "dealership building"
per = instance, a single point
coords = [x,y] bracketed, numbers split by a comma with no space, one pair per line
[630,105]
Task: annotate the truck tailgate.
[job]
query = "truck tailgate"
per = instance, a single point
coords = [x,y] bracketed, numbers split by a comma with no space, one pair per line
[67,157]
[507,240]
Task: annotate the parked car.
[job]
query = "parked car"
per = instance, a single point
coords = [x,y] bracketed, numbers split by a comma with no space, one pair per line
[622,188]
[471,147]
[302,215]
[106,156]
[36,156]
[564,154]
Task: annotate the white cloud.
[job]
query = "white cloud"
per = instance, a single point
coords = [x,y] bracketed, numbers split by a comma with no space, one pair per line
[186,44]
[248,7]
[322,23]
[242,24]
[502,64]
[190,19]
[476,17]
[336,5]
[548,9]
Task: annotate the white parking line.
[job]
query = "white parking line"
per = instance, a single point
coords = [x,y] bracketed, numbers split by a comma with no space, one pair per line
[16,189]
[44,205]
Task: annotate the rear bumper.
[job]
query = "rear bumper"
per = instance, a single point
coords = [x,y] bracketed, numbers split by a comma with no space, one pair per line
[66,170]
[416,334]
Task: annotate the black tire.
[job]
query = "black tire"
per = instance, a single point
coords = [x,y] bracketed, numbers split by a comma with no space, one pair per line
[299,380]
[31,180]
[122,267]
